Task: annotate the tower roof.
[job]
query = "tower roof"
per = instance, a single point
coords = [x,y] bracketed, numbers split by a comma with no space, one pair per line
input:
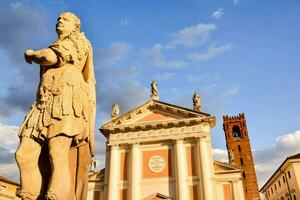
[227,118]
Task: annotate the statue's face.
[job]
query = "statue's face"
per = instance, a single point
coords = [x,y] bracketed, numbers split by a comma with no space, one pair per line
[65,24]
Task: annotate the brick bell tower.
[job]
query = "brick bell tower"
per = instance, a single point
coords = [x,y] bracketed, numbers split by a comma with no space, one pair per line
[240,154]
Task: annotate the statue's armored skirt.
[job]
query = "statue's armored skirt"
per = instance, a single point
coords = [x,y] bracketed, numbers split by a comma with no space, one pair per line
[62,103]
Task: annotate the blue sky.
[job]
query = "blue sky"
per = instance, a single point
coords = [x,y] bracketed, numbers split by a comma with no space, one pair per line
[242,56]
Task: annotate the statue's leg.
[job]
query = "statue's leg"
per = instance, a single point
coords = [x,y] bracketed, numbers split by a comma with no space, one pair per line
[59,186]
[83,162]
[27,157]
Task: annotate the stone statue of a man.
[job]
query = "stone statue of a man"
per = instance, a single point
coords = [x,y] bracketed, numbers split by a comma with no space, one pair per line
[154,87]
[115,110]
[59,128]
[196,101]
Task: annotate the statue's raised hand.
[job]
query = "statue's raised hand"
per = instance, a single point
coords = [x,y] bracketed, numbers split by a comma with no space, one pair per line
[29,55]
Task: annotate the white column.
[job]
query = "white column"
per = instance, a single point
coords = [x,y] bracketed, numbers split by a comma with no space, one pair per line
[181,170]
[135,172]
[205,169]
[114,175]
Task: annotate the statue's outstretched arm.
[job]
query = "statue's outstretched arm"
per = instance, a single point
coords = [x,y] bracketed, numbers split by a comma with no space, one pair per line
[46,57]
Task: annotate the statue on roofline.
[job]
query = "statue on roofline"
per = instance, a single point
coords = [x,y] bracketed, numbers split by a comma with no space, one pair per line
[196,102]
[115,110]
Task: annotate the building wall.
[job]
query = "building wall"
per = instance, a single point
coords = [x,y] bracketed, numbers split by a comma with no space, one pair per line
[278,186]
[169,152]
[162,181]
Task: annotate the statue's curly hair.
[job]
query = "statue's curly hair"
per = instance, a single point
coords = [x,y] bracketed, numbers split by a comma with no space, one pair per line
[75,19]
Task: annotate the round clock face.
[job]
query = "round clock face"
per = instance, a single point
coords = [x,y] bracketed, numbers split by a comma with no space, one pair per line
[156,164]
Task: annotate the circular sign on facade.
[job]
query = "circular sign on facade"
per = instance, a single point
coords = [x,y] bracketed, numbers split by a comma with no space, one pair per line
[156,164]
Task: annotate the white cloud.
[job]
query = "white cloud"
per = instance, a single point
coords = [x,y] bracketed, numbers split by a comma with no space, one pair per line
[268,160]
[193,36]
[220,155]
[127,93]
[191,78]
[155,57]
[218,14]
[9,142]
[9,135]
[230,91]
[10,171]
[125,21]
[164,75]
[115,52]
[212,52]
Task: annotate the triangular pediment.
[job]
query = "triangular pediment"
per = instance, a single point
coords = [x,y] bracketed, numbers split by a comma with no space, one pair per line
[156,115]
[222,167]
[151,113]
[156,196]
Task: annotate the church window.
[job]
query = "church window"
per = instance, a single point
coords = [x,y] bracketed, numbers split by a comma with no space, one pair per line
[289,174]
[240,149]
[275,187]
[294,197]
[244,175]
[236,131]
[271,190]
[279,183]
[283,179]
[242,162]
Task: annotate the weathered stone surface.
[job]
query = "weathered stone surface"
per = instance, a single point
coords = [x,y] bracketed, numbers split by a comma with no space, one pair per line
[57,135]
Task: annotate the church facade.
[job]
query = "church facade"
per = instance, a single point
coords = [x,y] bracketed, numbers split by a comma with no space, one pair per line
[163,151]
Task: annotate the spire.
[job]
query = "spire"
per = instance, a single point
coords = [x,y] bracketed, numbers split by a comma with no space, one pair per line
[154,92]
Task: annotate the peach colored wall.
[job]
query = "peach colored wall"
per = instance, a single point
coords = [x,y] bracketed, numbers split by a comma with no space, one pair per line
[166,155]
[190,161]
[123,165]
[156,198]
[193,192]
[227,191]
[154,117]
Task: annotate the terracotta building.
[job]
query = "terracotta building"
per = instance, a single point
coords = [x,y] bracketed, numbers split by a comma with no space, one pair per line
[284,184]
[163,151]
[240,154]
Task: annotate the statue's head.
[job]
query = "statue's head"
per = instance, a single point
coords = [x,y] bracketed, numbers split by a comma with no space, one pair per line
[67,22]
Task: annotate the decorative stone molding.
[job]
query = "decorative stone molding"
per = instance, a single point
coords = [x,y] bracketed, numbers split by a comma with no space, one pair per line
[158,134]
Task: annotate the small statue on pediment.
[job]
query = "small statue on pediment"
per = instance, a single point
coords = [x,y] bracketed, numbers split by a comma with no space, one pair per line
[154,91]
[115,110]
[196,102]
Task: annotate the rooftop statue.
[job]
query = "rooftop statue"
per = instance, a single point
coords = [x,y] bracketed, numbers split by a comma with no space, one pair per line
[154,87]
[196,102]
[115,110]
[154,91]
[57,135]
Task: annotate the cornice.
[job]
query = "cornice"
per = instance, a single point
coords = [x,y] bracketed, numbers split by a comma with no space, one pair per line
[156,125]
